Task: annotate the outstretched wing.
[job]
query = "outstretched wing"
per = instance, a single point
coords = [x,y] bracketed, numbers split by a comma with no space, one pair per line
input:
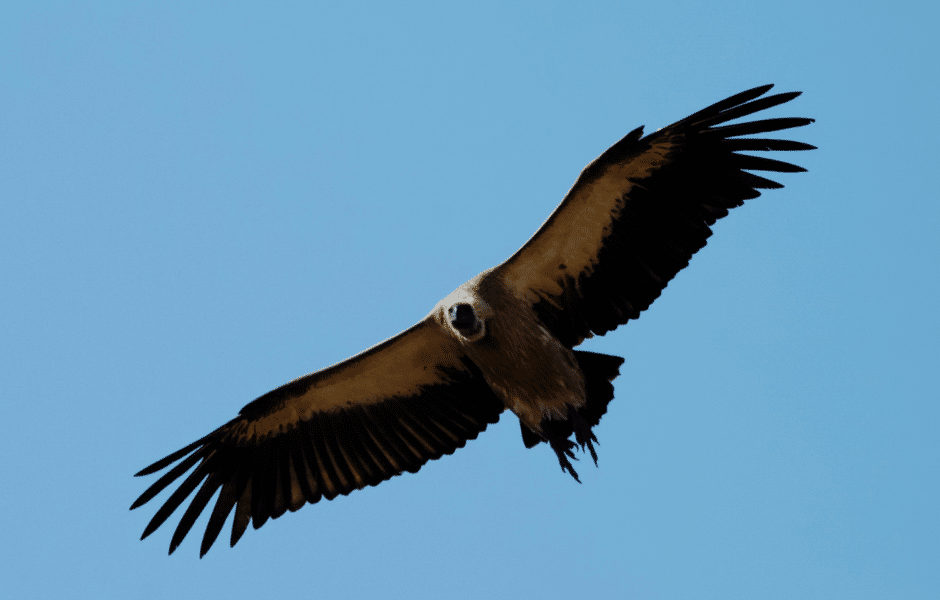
[638,213]
[411,399]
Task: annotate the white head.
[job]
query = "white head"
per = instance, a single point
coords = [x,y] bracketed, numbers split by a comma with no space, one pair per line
[464,312]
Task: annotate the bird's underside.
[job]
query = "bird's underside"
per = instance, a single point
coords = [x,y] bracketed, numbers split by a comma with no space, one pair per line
[504,340]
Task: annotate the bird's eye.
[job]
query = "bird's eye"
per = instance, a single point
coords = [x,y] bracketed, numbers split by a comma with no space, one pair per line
[461,316]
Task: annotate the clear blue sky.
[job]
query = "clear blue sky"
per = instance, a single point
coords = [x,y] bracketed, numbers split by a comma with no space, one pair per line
[199,203]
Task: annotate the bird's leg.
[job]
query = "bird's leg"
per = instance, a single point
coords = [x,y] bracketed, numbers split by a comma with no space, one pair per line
[563,448]
[583,434]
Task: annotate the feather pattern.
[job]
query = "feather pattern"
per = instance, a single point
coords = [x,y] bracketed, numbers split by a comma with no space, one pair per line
[645,206]
[332,452]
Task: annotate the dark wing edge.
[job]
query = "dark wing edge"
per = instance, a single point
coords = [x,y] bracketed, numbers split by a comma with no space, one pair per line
[639,212]
[330,453]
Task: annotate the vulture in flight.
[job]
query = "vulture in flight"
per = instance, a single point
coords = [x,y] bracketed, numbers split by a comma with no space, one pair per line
[503,340]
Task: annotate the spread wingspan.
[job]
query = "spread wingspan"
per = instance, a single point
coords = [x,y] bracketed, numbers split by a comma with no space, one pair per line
[630,223]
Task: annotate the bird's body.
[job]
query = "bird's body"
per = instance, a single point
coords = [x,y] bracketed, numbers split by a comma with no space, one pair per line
[504,340]
[543,380]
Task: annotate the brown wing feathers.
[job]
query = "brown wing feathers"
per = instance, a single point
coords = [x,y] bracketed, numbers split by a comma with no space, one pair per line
[675,184]
[333,453]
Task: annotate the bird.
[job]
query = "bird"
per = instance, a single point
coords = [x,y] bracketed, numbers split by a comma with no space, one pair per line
[504,340]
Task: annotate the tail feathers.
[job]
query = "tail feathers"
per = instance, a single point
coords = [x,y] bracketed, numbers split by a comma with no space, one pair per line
[529,437]
[599,370]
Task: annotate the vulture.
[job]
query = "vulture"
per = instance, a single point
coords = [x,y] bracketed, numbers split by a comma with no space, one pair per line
[505,339]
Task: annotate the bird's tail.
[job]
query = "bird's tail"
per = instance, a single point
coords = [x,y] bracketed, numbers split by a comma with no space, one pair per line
[599,371]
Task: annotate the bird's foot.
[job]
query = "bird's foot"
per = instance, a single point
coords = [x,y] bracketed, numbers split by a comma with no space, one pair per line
[564,449]
[584,435]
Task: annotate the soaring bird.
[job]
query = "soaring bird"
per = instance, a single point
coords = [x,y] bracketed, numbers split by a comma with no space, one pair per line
[503,340]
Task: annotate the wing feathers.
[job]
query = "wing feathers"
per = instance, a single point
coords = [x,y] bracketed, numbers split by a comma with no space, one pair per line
[742,110]
[263,485]
[760,163]
[282,491]
[758,145]
[351,453]
[391,444]
[640,211]
[343,476]
[241,519]
[169,460]
[738,99]
[195,508]
[223,506]
[263,471]
[750,180]
[175,499]
[765,126]
[168,478]
[308,481]
[370,449]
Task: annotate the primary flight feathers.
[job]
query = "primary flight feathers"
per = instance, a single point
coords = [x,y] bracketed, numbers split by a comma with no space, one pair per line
[504,339]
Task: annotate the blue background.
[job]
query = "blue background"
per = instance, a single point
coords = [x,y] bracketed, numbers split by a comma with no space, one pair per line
[201,201]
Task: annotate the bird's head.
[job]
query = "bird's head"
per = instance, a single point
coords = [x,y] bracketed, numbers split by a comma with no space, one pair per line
[464,320]
[464,312]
